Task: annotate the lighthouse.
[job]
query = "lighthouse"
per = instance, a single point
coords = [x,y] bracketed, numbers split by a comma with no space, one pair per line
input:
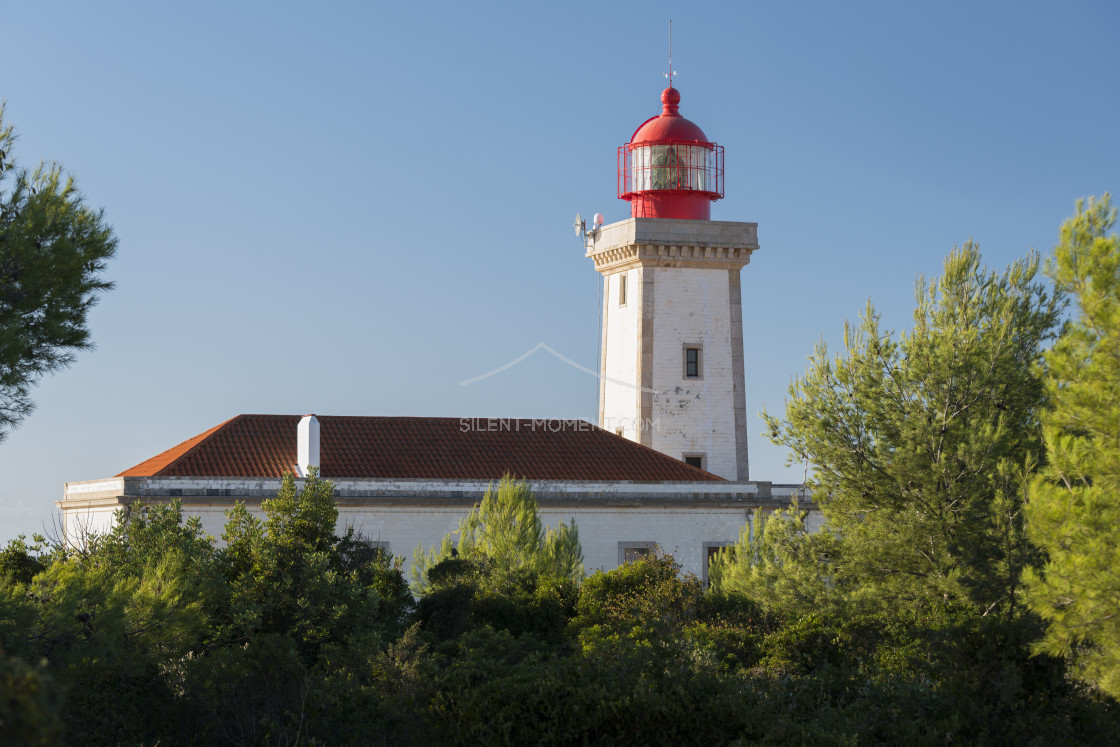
[672,361]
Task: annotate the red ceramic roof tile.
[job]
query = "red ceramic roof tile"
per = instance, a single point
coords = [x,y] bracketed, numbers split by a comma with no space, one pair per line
[426,448]
[161,461]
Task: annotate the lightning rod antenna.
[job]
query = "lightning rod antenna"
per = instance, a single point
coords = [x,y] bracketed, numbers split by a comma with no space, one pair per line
[671,72]
[670,53]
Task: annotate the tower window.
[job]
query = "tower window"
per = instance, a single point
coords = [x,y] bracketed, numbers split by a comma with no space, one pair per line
[622,289]
[695,460]
[693,359]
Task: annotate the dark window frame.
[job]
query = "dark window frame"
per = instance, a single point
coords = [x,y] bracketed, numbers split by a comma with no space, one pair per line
[708,552]
[645,546]
[698,364]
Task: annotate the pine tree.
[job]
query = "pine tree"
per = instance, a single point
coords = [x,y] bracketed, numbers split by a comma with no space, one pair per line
[776,562]
[921,444]
[53,250]
[505,532]
[1074,506]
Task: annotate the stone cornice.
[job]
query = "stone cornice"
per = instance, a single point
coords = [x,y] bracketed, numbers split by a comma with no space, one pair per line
[617,258]
[118,492]
[459,501]
[715,245]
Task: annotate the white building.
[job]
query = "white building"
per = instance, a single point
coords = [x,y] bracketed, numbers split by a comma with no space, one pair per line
[667,465]
[408,481]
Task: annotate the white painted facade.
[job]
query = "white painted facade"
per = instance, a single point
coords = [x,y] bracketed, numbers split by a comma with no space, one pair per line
[682,292]
[693,416]
[683,519]
[620,349]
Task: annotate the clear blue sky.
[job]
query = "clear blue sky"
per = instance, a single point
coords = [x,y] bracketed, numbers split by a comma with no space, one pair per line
[350,208]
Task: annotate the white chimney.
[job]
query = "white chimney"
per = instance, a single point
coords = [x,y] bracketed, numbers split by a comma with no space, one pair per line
[307,444]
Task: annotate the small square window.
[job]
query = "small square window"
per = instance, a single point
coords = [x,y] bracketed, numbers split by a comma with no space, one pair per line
[630,551]
[695,460]
[622,289]
[692,361]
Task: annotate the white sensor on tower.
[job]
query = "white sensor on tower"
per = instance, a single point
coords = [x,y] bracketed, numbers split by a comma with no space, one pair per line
[588,237]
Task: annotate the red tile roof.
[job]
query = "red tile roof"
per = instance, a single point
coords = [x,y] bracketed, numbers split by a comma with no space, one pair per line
[429,448]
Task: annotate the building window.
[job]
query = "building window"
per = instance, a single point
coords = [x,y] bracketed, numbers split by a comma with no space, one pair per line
[622,289]
[696,460]
[693,361]
[629,551]
[711,549]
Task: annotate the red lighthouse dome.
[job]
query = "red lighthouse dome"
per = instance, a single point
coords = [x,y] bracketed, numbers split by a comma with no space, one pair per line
[670,169]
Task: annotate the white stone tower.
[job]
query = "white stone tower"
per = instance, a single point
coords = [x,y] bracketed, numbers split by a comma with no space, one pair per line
[672,365]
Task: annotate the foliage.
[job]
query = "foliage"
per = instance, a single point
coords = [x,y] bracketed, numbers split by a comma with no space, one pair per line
[505,533]
[290,575]
[776,562]
[1074,505]
[139,647]
[819,679]
[921,445]
[648,594]
[152,634]
[53,251]
[648,621]
[20,561]
[29,704]
[110,637]
[144,534]
[302,613]
[460,597]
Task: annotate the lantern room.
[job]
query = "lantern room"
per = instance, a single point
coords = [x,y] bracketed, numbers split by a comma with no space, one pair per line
[669,169]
